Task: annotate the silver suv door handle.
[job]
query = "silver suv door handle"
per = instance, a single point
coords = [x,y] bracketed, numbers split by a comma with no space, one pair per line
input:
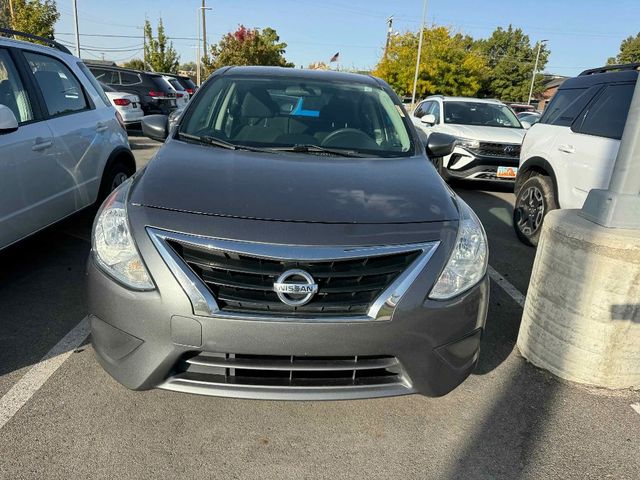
[567,148]
[101,127]
[41,144]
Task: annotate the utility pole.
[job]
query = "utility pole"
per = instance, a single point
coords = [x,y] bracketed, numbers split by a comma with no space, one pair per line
[389,33]
[535,70]
[204,28]
[75,23]
[198,68]
[415,78]
[11,11]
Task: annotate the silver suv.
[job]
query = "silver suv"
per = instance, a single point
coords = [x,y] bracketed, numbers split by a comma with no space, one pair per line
[62,146]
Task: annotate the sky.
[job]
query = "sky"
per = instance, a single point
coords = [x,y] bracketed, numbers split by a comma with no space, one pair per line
[581,33]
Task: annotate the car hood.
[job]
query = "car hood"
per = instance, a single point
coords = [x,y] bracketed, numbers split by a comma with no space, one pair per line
[484,133]
[293,187]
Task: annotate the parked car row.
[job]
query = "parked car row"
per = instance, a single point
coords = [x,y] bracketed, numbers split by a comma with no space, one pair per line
[570,150]
[157,93]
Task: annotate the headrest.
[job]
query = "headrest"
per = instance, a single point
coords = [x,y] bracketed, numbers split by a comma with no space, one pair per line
[258,104]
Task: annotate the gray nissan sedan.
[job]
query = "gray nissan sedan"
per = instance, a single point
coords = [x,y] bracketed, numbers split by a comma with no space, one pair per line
[290,240]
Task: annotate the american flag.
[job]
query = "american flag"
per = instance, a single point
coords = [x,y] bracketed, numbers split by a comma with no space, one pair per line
[335,58]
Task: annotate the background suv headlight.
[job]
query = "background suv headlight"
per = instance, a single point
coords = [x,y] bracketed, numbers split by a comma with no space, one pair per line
[468,143]
[113,246]
[467,264]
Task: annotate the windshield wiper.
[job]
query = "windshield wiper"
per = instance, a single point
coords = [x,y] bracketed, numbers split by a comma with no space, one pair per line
[218,142]
[303,148]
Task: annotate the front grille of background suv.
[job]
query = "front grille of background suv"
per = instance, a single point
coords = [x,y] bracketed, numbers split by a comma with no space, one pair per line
[487,149]
[244,284]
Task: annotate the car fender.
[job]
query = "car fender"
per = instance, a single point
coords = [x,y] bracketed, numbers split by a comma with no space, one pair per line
[536,165]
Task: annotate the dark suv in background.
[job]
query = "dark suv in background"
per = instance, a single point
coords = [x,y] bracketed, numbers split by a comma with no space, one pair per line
[156,95]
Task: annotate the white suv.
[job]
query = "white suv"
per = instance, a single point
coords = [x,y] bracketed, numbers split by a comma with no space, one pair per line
[61,145]
[572,149]
[488,132]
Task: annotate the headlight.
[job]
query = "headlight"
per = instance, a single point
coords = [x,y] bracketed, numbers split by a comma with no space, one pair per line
[468,262]
[112,243]
[468,143]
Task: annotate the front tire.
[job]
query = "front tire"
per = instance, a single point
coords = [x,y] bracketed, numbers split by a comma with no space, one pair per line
[113,178]
[534,200]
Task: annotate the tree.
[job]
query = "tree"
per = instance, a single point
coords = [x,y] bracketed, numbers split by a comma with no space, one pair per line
[37,17]
[189,67]
[449,64]
[247,46]
[159,52]
[511,59]
[629,51]
[135,64]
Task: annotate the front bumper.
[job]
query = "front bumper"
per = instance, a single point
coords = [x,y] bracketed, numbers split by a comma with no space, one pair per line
[463,164]
[145,339]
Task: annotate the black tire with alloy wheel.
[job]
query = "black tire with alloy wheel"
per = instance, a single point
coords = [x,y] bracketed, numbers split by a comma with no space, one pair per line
[117,173]
[533,201]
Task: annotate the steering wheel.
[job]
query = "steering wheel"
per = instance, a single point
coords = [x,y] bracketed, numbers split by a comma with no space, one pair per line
[349,138]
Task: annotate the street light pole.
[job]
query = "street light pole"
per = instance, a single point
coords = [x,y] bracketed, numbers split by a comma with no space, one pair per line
[75,23]
[389,33]
[198,51]
[535,71]
[415,78]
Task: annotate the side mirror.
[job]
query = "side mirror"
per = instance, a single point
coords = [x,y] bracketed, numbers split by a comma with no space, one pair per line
[526,125]
[156,127]
[8,121]
[440,145]
[428,119]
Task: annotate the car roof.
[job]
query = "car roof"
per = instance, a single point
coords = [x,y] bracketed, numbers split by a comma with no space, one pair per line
[446,98]
[324,75]
[22,44]
[593,77]
[122,69]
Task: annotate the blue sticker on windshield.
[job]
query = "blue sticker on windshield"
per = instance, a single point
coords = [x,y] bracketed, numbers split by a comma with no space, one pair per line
[300,112]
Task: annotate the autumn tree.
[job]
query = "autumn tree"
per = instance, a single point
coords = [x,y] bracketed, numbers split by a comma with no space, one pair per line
[629,51]
[449,64]
[247,46]
[159,51]
[135,64]
[36,17]
[511,59]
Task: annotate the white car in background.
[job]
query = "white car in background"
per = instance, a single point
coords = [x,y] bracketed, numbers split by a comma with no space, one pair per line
[126,104]
[489,136]
[182,96]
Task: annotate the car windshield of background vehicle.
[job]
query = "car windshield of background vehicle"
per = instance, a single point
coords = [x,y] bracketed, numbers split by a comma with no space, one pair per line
[291,112]
[481,114]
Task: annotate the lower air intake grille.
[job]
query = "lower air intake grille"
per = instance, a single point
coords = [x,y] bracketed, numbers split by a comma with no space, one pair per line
[289,371]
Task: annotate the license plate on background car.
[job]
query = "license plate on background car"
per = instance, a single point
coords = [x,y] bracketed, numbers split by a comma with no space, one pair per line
[507,172]
[135,105]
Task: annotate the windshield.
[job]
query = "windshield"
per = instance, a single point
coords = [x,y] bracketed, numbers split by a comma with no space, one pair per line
[175,84]
[477,113]
[288,112]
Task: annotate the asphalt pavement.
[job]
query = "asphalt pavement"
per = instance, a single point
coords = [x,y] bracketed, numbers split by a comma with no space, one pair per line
[509,420]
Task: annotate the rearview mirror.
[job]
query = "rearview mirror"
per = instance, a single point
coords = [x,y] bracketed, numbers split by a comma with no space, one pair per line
[526,125]
[8,121]
[440,145]
[156,127]
[428,119]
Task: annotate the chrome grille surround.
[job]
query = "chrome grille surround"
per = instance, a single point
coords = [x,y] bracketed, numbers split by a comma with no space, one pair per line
[205,304]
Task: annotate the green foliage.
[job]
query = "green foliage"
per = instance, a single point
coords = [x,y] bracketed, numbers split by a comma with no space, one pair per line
[247,46]
[449,65]
[189,67]
[159,52]
[37,17]
[511,58]
[135,64]
[629,51]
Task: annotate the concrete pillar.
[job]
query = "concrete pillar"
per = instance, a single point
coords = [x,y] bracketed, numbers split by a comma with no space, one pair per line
[581,318]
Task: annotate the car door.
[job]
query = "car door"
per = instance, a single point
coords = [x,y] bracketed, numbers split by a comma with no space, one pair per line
[28,170]
[591,145]
[81,131]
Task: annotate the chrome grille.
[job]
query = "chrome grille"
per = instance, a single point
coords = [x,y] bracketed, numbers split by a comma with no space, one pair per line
[244,283]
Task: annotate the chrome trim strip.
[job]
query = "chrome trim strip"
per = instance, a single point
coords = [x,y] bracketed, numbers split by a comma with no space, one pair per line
[204,303]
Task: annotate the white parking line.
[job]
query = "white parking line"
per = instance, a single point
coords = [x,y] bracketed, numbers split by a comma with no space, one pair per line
[636,407]
[30,383]
[512,291]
